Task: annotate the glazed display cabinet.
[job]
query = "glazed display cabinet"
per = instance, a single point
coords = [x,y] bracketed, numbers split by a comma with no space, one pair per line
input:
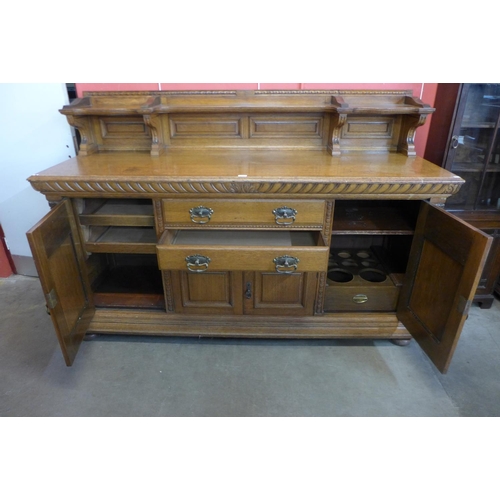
[262,214]
[464,139]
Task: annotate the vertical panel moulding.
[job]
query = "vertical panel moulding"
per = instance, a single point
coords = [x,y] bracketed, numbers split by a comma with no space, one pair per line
[159,223]
[327,236]
[165,130]
[168,291]
[245,126]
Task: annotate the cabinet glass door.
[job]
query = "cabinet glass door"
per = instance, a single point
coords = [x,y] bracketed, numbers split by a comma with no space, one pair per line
[476,149]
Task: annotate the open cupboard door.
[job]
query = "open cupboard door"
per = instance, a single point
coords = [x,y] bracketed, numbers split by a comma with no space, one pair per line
[60,260]
[445,265]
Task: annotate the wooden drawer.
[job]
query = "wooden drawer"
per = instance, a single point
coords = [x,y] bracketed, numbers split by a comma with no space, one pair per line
[360,295]
[242,251]
[305,214]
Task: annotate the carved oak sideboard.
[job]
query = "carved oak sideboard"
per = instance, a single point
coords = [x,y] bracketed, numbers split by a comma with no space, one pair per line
[264,214]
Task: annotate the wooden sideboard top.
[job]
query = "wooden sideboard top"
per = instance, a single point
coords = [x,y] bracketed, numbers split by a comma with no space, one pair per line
[247,171]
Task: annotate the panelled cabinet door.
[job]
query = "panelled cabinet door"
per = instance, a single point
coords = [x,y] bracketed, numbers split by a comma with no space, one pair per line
[276,294]
[444,268]
[59,260]
[217,293]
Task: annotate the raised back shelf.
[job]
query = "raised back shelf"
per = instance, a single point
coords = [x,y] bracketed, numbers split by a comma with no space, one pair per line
[338,121]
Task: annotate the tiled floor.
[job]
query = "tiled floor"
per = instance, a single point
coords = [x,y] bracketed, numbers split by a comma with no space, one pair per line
[115,376]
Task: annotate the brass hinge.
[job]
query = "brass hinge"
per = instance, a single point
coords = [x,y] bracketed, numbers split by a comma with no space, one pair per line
[51,299]
[463,305]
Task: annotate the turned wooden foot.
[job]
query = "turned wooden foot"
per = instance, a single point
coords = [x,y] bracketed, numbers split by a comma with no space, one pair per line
[486,303]
[401,342]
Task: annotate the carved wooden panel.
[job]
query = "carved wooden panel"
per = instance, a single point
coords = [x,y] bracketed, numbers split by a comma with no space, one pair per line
[119,126]
[126,133]
[374,133]
[307,126]
[208,293]
[200,126]
[280,294]
[365,127]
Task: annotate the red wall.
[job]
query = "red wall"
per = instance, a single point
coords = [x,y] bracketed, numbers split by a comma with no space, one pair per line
[425,91]
[6,265]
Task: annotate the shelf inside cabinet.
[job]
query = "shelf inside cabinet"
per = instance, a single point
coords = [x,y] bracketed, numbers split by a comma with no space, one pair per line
[126,281]
[372,219]
[131,212]
[121,240]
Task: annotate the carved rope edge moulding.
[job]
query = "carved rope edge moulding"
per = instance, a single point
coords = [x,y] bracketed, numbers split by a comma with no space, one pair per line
[168,188]
[91,93]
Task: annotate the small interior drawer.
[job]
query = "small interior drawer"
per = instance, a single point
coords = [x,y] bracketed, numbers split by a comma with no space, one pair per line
[278,214]
[199,251]
[358,295]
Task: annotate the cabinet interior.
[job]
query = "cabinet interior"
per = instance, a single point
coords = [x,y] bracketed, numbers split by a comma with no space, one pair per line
[120,240]
[125,280]
[369,249]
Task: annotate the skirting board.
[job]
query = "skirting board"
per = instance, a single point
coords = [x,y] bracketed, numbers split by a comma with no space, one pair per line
[25,265]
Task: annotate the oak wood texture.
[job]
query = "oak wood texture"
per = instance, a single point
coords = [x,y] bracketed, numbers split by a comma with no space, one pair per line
[379,296]
[244,213]
[244,154]
[212,293]
[441,277]
[331,326]
[102,212]
[241,251]
[280,174]
[59,258]
[339,121]
[274,294]
[122,240]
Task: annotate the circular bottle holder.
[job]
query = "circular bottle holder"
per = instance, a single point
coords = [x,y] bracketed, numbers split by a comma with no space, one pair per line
[362,254]
[340,276]
[349,263]
[344,255]
[373,275]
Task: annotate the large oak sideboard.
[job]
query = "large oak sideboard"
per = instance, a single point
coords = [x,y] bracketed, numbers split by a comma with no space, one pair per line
[266,214]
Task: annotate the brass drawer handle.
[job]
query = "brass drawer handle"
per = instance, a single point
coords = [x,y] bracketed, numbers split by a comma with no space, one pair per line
[201,214]
[286,264]
[360,298]
[197,263]
[284,216]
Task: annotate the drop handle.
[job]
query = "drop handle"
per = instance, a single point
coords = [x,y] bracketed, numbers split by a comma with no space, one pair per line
[454,142]
[284,216]
[200,214]
[197,263]
[286,264]
[248,291]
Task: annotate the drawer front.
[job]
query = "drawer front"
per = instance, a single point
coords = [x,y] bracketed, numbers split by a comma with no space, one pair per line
[249,251]
[361,298]
[244,213]
[360,294]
